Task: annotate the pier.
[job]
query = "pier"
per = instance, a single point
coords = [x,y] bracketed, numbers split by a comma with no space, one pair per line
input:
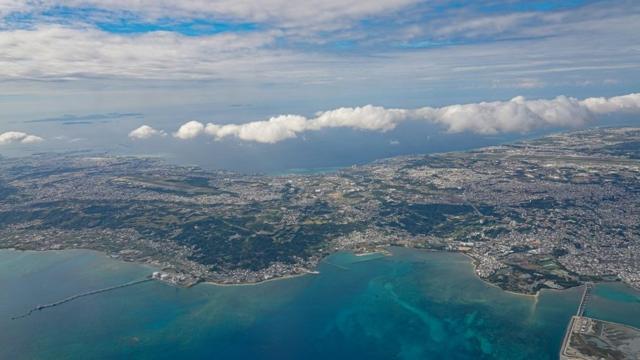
[77,296]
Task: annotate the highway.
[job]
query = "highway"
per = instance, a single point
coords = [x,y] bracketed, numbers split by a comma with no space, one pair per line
[584,301]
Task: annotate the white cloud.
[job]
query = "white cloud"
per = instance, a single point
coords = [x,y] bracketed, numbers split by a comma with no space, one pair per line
[189,130]
[270,131]
[270,55]
[282,13]
[484,26]
[289,126]
[521,115]
[17,137]
[10,6]
[516,115]
[367,117]
[145,132]
[601,105]
[74,53]
[31,139]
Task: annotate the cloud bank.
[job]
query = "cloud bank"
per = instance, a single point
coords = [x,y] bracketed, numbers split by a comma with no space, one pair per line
[17,137]
[323,14]
[517,115]
[522,115]
[280,41]
[131,56]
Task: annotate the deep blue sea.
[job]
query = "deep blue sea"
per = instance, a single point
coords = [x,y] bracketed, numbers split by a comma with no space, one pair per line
[412,305]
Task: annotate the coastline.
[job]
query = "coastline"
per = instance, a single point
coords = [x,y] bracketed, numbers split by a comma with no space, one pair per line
[285,277]
[211,307]
[473,262]
[384,252]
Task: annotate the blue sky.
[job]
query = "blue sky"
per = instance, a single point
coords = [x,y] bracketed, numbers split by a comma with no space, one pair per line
[245,61]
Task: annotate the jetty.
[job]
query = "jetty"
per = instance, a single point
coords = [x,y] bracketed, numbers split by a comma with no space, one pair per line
[81,295]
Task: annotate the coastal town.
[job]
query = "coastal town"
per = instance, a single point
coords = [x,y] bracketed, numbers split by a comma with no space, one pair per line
[547,213]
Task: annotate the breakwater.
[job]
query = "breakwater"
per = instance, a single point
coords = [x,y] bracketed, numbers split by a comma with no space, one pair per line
[81,295]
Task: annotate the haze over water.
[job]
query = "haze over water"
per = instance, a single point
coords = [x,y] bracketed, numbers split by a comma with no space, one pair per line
[412,305]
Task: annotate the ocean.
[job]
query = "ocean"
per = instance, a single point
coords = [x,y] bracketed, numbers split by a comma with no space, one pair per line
[411,305]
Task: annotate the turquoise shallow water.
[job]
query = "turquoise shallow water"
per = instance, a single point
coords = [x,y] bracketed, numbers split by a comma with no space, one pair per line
[412,305]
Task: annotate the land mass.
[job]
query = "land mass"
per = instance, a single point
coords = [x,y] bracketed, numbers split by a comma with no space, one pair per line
[547,213]
[592,339]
